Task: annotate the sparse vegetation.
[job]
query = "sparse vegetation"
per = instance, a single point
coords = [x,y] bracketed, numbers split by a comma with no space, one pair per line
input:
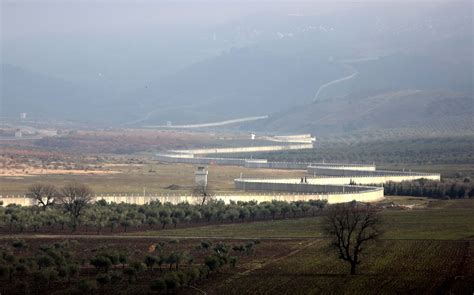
[49,266]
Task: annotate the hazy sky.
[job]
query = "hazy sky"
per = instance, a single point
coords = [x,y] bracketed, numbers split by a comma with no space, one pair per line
[30,18]
[61,37]
[24,19]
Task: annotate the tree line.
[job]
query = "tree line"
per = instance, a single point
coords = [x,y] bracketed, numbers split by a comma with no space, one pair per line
[72,206]
[446,189]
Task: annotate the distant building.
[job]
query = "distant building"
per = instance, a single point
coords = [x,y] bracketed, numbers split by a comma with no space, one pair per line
[48,132]
[252,136]
[168,123]
[18,133]
[22,116]
[200,176]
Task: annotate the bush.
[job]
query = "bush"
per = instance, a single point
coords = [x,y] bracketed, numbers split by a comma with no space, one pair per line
[44,261]
[183,278]
[131,273]
[103,279]
[158,285]
[101,262]
[204,272]
[46,275]
[86,286]
[19,244]
[138,266]
[150,261]
[233,261]
[172,280]
[193,274]
[4,271]
[62,272]
[115,278]
[212,262]
[72,270]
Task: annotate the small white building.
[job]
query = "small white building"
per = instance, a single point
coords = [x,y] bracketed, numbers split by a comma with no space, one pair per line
[18,133]
[22,116]
[200,176]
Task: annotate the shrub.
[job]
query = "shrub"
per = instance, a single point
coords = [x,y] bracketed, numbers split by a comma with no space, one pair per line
[193,274]
[62,272]
[138,266]
[44,261]
[172,280]
[4,271]
[212,262]
[131,273]
[183,278]
[204,272]
[19,244]
[158,285]
[233,261]
[46,275]
[103,279]
[150,261]
[101,262]
[72,270]
[115,278]
[86,286]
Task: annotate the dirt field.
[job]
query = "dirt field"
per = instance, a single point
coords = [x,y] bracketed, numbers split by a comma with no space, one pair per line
[134,178]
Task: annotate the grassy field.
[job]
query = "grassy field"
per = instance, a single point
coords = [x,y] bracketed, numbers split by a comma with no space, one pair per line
[394,267]
[440,220]
[429,250]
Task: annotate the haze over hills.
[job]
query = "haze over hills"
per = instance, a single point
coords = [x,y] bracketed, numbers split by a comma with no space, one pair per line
[411,66]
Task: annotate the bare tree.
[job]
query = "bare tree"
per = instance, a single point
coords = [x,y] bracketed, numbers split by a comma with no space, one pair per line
[352,227]
[74,198]
[44,195]
[204,193]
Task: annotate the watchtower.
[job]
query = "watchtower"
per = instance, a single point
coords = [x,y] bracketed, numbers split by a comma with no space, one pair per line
[200,176]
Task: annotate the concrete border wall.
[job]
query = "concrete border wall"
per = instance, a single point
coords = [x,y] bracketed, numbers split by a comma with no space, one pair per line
[331,193]
[372,177]
[246,149]
[254,163]
[284,186]
[368,196]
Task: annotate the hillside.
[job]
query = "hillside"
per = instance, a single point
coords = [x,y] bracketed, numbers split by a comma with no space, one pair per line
[402,109]
[241,82]
[45,97]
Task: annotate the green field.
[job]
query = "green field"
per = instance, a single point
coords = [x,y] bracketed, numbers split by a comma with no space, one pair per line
[441,220]
[393,267]
[426,250]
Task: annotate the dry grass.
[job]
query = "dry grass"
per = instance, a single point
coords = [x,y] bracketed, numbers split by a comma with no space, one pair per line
[133,178]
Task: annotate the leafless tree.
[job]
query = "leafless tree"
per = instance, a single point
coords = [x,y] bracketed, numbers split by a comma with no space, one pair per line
[204,193]
[44,195]
[74,198]
[352,227]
